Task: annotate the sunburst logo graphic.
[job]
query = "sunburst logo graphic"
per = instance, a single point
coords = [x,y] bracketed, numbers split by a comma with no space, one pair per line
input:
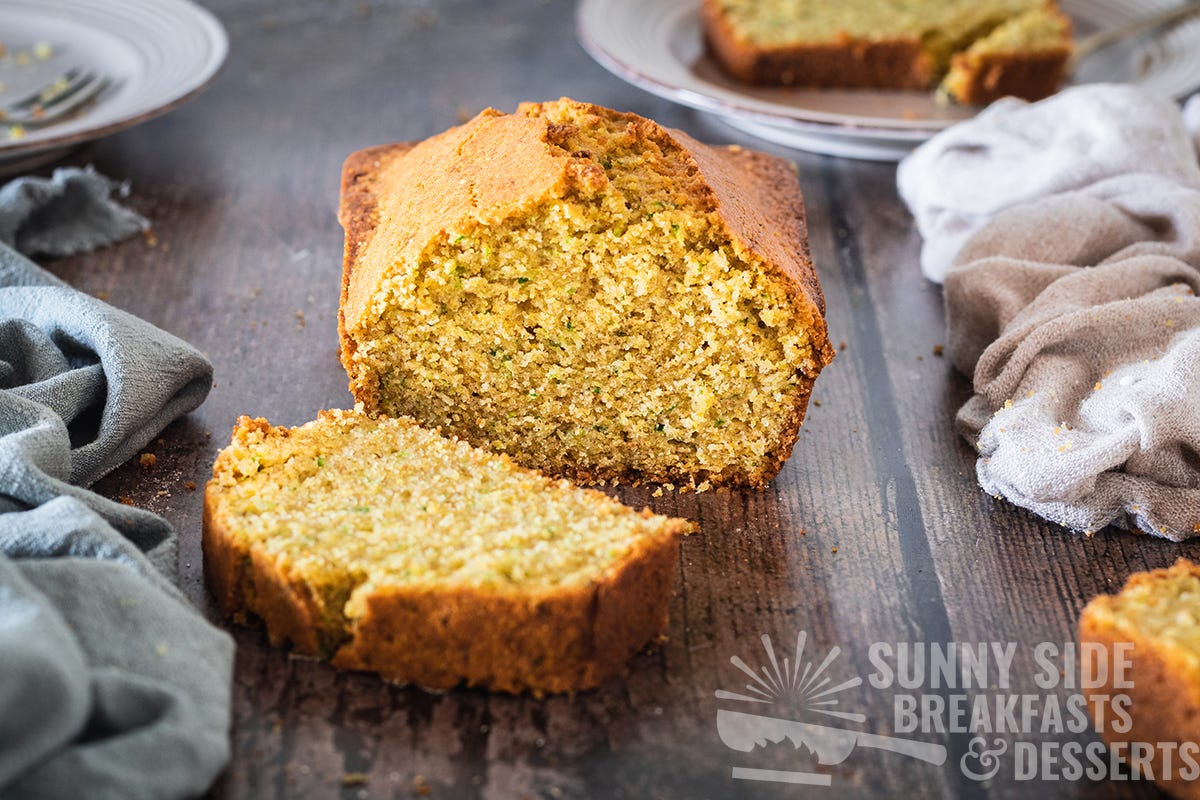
[803,687]
[786,681]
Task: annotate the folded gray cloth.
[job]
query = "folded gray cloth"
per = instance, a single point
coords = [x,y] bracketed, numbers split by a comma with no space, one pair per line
[1072,231]
[111,684]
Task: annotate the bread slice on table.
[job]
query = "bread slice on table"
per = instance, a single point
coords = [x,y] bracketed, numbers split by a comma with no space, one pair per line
[597,296]
[1158,613]
[386,547]
[894,44]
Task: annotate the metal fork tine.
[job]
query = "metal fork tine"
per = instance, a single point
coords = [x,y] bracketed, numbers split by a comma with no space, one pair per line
[79,95]
[1135,27]
[55,101]
[46,93]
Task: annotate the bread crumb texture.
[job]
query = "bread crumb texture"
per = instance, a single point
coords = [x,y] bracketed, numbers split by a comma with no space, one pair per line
[944,26]
[1157,613]
[595,295]
[1162,606]
[391,548]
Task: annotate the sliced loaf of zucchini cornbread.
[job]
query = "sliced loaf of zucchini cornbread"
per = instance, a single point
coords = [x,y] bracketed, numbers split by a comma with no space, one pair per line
[387,547]
[586,291]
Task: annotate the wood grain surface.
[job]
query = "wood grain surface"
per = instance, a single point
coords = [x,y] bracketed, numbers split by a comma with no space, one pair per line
[875,531]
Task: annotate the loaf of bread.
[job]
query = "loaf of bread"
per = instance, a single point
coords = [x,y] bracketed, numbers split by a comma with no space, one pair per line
[386,547]
[1158,613]
[586,291]
[894,44]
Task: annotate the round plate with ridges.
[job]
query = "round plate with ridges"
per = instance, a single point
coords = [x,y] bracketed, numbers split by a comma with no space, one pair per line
[659,47]
[155,54]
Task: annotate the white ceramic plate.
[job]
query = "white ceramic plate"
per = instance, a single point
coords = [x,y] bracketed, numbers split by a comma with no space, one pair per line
[657,45]
[155,53]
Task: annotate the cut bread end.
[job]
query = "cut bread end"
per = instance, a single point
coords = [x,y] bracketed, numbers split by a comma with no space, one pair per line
[1025,57]
[598,297]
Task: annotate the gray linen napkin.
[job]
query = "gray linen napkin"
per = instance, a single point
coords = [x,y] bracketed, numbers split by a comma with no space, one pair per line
[111,684]
[1071,229]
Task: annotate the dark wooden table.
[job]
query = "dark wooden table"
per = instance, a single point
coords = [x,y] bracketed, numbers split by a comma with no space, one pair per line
[875,531]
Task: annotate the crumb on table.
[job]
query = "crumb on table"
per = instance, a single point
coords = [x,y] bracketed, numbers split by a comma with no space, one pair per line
[354,779]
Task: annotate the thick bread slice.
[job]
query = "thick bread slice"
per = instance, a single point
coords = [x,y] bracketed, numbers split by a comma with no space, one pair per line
[893,45]
[386,547]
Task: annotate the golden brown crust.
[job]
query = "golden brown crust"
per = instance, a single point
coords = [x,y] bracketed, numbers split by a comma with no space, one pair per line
[561,641]
[753,196]
[979,80]
[558,640]
[1165,695]
[244,580]
[357,210]
[448,181]
[357,214]
[899,63]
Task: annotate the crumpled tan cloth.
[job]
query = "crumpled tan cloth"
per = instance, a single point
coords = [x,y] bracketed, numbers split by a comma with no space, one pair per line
[1071,228]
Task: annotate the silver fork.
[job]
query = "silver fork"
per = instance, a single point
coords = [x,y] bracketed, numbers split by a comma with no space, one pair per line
[1098,41]
[54,100]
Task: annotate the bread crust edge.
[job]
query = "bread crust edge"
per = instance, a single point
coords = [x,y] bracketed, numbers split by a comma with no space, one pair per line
[563,641]
[549,641]
[1165,696]
[900,63]
[358,215]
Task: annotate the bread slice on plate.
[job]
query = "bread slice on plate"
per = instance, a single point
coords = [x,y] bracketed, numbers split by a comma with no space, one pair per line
[894,44]
[386,547]
[1025,57]
[597,296]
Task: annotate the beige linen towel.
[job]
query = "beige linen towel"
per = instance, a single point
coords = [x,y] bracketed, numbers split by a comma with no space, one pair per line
[1071,228]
